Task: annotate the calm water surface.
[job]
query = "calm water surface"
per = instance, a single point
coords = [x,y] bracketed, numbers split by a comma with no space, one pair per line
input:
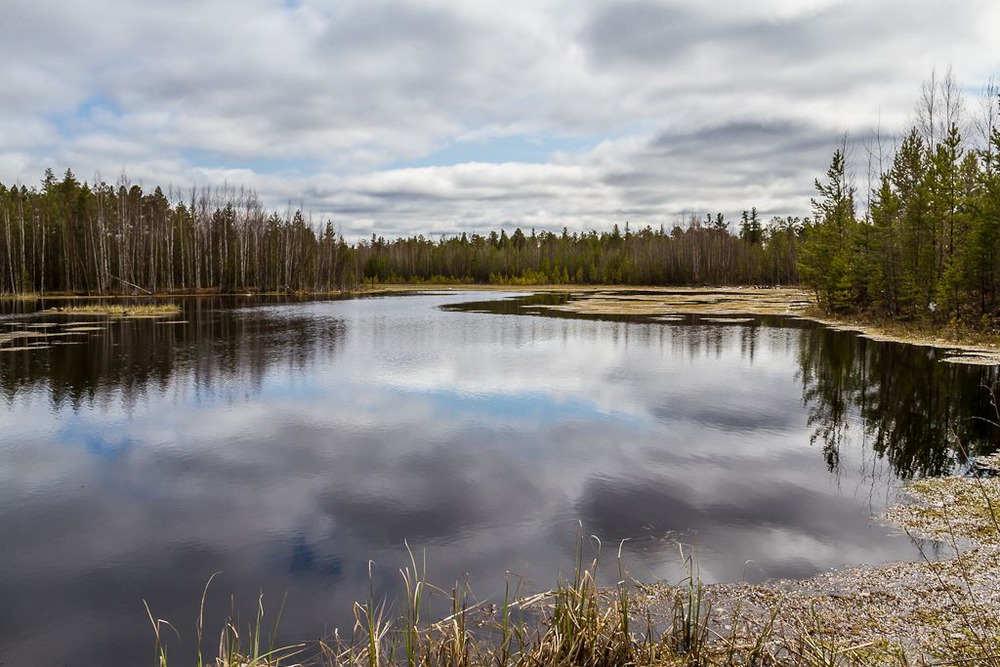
[286,445]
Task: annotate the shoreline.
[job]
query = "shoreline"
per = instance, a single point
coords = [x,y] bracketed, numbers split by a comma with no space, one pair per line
[905,612]
[901,613]
[727,302]
[936,610]
[749,301]
[651,301]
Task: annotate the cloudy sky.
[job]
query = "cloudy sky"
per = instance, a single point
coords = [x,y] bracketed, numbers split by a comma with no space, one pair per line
[442,116]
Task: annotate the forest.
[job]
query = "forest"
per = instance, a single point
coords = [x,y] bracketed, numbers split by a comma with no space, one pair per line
[71,237]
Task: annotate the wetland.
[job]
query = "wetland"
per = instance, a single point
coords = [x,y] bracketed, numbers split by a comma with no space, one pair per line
[289,443]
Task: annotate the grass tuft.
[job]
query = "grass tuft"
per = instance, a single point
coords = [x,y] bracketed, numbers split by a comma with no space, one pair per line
[579,623]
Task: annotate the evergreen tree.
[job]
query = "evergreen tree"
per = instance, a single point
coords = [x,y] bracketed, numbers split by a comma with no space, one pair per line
[826,262]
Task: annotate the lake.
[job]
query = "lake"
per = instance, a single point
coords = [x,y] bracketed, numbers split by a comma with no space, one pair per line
[297,447]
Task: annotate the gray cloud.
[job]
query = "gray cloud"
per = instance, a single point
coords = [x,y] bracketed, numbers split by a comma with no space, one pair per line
[645,34]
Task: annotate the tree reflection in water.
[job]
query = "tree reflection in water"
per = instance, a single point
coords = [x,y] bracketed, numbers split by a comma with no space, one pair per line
[922,415]
[223,345]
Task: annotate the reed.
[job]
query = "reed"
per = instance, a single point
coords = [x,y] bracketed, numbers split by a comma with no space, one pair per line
[579,623]
[20,296]
[246,646]
[414,581]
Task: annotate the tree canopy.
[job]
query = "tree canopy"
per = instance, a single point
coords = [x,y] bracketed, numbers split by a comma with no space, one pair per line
[928,243]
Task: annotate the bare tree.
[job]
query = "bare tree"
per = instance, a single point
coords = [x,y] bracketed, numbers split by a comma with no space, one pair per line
[940,106]
[987,121]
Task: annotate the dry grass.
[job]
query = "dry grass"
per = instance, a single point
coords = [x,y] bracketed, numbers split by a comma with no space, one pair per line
[972,347]
[905,614]
[689,300]
[121,310]
[666,303]
[39,336]
[11,336]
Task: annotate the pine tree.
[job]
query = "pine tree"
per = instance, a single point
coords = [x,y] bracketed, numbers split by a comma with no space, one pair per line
[827,253]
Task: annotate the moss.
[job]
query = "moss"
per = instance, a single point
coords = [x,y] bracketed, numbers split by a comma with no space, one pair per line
[951,509]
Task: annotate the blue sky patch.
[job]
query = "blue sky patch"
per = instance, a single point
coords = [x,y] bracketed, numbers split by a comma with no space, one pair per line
[82,117]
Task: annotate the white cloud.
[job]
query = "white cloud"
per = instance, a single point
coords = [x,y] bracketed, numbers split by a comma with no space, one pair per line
[328,103]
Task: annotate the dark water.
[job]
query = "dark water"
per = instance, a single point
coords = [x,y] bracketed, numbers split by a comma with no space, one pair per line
[287,445]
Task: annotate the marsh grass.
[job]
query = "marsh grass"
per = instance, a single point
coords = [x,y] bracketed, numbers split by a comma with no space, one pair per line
[576,623]
[121,310]
[242,646]
[246,645]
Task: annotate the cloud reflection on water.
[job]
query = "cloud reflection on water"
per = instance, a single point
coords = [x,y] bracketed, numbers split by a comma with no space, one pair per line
[287,445]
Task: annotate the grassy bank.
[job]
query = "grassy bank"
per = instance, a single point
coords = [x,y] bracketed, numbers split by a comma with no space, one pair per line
[934,612]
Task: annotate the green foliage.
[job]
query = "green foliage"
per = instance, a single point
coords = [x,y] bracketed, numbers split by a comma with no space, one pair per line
[928,246]
[828,261]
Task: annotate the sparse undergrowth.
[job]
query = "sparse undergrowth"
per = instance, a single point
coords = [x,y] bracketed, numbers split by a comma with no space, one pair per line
[952,509]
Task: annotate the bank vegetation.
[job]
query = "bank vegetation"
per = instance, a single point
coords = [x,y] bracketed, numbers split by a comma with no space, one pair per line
[939,611]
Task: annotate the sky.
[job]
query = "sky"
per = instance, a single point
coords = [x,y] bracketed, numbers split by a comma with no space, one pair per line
[436,117]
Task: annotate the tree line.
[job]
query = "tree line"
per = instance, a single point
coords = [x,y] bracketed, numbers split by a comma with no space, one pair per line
[700,252]
[71,237]
[926,244]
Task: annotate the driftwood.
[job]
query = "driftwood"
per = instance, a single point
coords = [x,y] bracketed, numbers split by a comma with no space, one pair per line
[133,285]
